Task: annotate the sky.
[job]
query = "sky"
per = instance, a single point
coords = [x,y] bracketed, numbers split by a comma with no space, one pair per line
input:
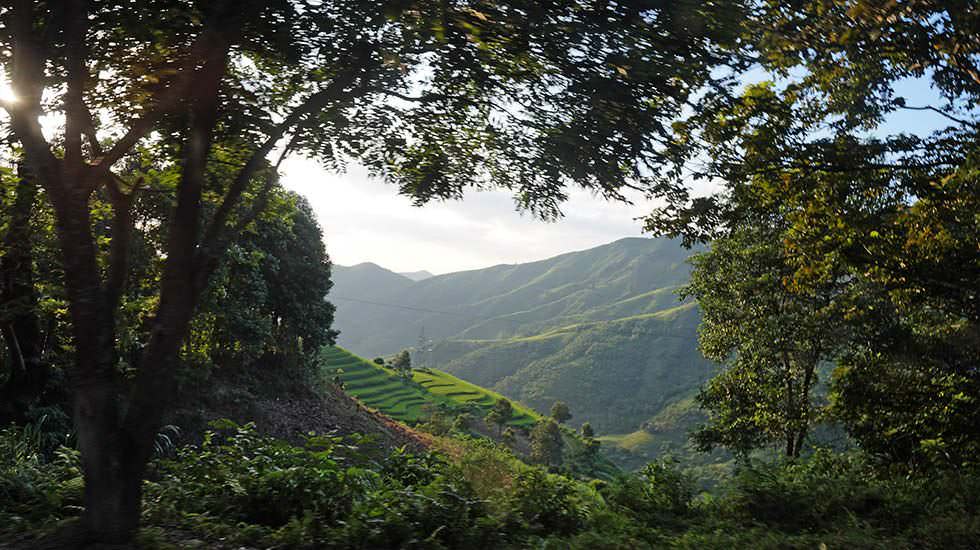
[365,220]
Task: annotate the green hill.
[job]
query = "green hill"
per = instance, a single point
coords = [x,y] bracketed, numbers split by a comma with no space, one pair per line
[614,374]
[405,400]
[380,312]
[601,329]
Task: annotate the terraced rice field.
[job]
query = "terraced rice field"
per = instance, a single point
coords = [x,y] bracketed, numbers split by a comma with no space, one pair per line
[382,389]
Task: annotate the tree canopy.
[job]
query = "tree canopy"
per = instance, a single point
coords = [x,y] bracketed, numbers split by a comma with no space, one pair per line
[881,222]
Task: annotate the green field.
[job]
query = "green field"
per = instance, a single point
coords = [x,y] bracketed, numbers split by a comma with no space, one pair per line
[381,388]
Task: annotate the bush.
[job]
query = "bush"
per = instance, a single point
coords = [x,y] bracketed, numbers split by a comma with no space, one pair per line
[35,490]
[258,480]
[548,503]
[244,489]
[659,494]
[820,493]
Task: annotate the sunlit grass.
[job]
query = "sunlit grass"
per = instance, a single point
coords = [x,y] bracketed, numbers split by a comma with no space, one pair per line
[383,389]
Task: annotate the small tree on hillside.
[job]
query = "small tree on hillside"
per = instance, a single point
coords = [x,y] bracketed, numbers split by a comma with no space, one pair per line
[560,412]
[546,443]
[587,431]
[591,444]
[378,361]
[509,437]
[500,414]
[402,363]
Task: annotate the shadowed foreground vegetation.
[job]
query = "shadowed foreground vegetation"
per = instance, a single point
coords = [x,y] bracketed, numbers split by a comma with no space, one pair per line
[241,489]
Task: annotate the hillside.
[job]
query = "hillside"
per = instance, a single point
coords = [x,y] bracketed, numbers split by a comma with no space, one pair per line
[613,374]
[601,329]
[417,399]
[380,312]
[381,388]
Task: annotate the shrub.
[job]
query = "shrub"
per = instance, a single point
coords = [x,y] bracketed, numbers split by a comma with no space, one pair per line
[820,493]
[35,490]
[659,494]
[548,503]
[248,478]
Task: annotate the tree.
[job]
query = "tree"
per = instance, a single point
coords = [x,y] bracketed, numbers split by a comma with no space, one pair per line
[884,221]
[265,299]
[590,451]
[770,339]
[546,443]
[500,414]
[462,422]
[509,437]
[20,326]
[560,412]
[531,100]
[378,361]
[402,363]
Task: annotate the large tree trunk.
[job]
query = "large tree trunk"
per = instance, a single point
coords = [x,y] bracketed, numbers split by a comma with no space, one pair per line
[113,478]
[113,474]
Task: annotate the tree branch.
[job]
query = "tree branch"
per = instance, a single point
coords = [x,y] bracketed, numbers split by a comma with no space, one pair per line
[122,229]
[314,103]
[168,99]
[27,83]
[75,25]
[943,113]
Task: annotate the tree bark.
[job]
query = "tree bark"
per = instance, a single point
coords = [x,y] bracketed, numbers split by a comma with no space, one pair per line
[112,480]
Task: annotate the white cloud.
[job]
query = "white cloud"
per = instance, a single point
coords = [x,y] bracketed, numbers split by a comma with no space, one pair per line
[366,220]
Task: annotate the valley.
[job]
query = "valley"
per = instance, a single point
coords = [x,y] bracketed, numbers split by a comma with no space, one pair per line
[601,329]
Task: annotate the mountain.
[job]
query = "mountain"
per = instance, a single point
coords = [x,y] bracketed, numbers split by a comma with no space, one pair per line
[417,275]
[601,329]
[381,312]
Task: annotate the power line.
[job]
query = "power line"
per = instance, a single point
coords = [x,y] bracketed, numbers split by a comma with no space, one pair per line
[399,306]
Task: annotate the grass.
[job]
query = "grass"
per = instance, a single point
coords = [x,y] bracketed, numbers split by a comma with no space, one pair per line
[383,389]
[630,442]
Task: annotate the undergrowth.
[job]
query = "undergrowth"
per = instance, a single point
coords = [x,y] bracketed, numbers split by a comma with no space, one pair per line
[238,488]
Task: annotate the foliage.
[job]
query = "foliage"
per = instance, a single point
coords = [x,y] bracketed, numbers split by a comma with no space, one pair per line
[590,445]
[546,443]
[36,488]
[771,340]
[500,414]
[560,412]
[265,301]
[880,220]
[659,493]
[509,436]
[243,489]
[402,363]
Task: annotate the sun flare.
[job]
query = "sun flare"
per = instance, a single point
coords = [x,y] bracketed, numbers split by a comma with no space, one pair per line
[7,93]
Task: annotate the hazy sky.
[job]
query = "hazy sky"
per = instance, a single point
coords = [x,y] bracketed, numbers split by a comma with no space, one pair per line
[365,220]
